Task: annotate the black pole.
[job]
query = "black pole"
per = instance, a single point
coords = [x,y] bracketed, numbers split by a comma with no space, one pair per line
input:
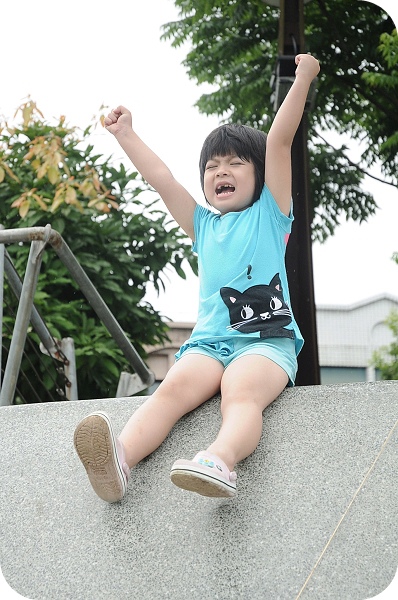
[299,250]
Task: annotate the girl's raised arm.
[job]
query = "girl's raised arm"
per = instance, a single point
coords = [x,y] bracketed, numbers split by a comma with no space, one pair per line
[278,172]
[178,201]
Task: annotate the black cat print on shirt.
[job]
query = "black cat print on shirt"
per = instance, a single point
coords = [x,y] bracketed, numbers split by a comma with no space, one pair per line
[259,308]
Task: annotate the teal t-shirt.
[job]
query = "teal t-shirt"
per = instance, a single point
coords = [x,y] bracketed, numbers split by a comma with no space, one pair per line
[243,289]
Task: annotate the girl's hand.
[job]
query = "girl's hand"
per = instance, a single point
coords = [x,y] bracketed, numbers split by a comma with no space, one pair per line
[307,66]
[118,120]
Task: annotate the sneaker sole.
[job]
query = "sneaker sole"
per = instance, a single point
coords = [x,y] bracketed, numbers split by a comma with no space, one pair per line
[95,445]
[193,480]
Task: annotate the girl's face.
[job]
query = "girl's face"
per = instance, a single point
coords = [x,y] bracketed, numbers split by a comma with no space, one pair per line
[229,183]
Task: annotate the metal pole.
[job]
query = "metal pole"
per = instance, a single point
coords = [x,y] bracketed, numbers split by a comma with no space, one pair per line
[299,250]
[37,322]
[68,348]
[103,312]
[21,323]
[51,236]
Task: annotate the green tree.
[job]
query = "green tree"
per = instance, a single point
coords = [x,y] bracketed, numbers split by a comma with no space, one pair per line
[385,359]
[386,82]
[234,48]
[49,173]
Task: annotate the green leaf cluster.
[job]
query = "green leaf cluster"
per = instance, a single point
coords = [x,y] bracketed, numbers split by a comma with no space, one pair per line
[51,174]
[233,47]
[385,82]
[385,359]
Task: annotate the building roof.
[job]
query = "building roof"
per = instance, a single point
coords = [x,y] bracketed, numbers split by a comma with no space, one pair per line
[359,303]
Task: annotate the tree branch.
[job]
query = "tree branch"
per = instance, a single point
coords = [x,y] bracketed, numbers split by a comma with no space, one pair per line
[353,164]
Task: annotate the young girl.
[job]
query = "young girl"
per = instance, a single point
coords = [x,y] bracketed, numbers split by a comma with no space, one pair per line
[246,341]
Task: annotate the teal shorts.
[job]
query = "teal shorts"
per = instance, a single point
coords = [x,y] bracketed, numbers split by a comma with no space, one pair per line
[280,350]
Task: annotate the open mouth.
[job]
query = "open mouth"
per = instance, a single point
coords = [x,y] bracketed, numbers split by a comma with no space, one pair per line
[225,189]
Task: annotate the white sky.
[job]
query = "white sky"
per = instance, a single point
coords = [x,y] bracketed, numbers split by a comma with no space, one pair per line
[73,59]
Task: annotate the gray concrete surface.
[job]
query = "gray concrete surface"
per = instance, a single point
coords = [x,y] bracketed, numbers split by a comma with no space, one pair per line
[315,517]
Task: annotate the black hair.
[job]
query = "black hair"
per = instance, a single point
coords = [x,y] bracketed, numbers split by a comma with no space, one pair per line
[244,141]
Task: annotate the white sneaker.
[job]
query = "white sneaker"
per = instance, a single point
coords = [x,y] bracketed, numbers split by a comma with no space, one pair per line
[205,474]
[102,456]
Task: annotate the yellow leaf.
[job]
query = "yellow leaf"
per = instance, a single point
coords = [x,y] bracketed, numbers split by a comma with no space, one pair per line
[24,209]
[29,154]
[58,200]
[10,173]
[41,171]
[103,207]
[87,188]
[70,196]
[53,175]
[96,182]
[2,174]
[40,202]
[26,113]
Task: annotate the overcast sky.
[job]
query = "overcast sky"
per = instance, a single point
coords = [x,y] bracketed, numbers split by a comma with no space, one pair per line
[72,60]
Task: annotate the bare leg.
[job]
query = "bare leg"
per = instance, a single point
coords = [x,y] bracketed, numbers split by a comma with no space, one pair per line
[248,386]
[190,382]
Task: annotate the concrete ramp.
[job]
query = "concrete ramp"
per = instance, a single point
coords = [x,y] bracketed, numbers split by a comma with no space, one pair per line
[315,517]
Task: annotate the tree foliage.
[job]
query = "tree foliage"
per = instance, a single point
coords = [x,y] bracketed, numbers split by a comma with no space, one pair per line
[386,82]
[49,173]
[385,359]
[233,47]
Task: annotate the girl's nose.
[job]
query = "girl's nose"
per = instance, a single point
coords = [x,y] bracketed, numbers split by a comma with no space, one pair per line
[222,170]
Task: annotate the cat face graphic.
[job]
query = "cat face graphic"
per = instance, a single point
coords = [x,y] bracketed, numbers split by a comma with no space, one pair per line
[259,308]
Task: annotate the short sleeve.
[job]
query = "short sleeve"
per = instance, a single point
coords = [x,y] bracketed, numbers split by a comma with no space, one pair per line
[200,213]
[269,203]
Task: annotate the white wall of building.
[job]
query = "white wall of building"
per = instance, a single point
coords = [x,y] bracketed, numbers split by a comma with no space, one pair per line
[348,335]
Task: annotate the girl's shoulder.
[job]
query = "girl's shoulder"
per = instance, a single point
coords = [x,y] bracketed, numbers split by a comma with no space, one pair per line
[268,203]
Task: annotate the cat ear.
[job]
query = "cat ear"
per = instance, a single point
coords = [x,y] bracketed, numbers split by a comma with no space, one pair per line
[276,283]
[228,295]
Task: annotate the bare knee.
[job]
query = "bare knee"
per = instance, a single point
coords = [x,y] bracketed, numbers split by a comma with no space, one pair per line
[251,396]
[192,380]
[252,380]
[251,402]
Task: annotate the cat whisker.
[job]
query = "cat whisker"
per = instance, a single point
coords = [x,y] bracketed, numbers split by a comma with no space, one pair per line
[238,325]
[282,311]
